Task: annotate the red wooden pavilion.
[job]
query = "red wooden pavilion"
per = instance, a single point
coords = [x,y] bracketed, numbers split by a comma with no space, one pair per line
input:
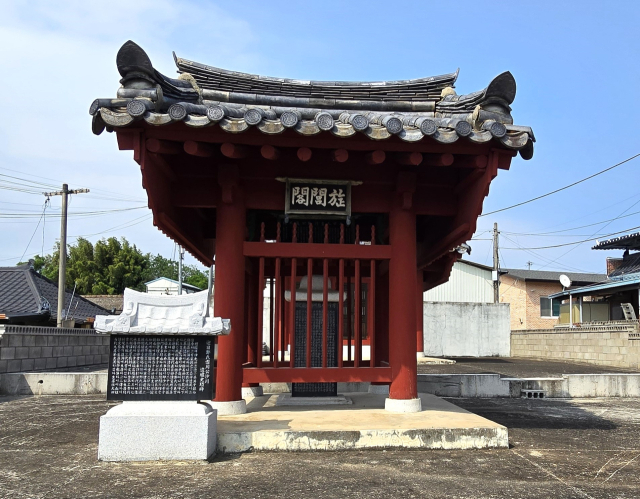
[374,186]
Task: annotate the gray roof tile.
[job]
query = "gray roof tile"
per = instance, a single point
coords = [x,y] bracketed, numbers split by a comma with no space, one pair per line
[554,275]
[22,290]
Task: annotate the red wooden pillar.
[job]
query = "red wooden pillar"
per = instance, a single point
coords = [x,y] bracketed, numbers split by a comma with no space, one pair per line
[230,283]
[420,313]
[402,303]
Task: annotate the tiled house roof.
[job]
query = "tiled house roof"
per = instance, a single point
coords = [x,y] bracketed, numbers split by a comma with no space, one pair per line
[554,275]
[25,292]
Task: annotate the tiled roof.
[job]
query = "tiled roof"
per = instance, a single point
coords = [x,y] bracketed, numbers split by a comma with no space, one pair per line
[630,265]
[554,275]
[23,290]
[630,241]
[410,109]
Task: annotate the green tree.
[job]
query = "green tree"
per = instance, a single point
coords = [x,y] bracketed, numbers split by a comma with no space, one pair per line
[111,265]
[106,268]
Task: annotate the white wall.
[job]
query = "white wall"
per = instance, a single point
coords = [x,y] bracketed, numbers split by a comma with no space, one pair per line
[467,284]
[466,329]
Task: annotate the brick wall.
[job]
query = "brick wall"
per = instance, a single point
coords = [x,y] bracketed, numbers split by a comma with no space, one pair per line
[536,289]
[524,298]
[512,291]
[28,348]
[606,345]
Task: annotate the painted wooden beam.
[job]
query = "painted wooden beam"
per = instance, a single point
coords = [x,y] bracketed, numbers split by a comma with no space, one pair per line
[269,152]
[234,151]
[479,161]
[201,149]
[340,155]
[163,146]
[445,159]
[315,374]
[375,157]
[312,250]
[304,154]
[409,158]
[443,246]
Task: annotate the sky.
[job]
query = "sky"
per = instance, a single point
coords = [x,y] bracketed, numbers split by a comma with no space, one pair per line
[575,64]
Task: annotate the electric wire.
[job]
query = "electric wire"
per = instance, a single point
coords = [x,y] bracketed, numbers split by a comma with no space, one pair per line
[562,188]
[601,228]
[546,259]
[551,233]
[130,223]
[36,229]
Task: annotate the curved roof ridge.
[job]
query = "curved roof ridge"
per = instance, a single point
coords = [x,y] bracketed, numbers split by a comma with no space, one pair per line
[214,78]
[181,61]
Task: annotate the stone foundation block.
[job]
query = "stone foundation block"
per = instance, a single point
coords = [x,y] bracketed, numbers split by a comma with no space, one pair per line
[154,431]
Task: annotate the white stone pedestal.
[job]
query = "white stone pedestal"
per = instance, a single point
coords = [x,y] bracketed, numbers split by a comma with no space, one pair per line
[153,431]
[228,408]
[402,405]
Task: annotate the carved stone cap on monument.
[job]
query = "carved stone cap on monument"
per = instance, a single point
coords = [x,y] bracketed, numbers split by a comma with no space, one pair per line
[317,289]
[173,315]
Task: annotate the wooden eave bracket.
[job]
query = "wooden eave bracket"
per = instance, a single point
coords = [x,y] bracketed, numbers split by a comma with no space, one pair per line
[452,239]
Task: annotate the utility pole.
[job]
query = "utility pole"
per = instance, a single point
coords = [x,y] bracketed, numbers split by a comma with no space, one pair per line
[62,264]
[180,257]
[529,264]
[496,265]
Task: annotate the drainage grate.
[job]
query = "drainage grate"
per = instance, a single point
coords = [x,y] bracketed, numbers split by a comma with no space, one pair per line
[532,394]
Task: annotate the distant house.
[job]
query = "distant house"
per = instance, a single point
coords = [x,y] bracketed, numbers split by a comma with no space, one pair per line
[616,297]
[29,298]
[469,282]
[113,303]
[166,286]
[527,291]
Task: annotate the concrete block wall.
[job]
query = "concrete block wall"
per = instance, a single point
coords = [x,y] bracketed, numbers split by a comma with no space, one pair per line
[606,345]
[29,348]
[466,329]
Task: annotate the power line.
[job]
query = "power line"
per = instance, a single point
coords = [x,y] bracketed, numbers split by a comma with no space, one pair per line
[551,233]
[562,188]
[46,203]
[72,214]
[124,225]
[601,228]
[548,260]
[577,242]
[112,196]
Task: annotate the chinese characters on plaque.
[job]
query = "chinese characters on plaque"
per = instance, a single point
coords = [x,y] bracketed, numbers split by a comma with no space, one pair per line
[160,368]
[318,197]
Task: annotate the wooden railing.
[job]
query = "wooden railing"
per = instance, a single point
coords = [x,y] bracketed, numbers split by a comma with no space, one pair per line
[344,268]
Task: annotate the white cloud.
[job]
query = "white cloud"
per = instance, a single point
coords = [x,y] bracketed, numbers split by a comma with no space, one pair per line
[58,57]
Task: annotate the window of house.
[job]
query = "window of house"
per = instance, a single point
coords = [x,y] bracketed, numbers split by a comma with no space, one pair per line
[549,307]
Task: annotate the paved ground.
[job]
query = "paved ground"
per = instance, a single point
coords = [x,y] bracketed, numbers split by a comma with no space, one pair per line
[517,367]
[585,448]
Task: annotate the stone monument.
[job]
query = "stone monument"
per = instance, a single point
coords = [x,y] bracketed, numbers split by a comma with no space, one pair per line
[162,354]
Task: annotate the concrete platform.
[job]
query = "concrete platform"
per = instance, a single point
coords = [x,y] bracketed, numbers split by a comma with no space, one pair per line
[366,425]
